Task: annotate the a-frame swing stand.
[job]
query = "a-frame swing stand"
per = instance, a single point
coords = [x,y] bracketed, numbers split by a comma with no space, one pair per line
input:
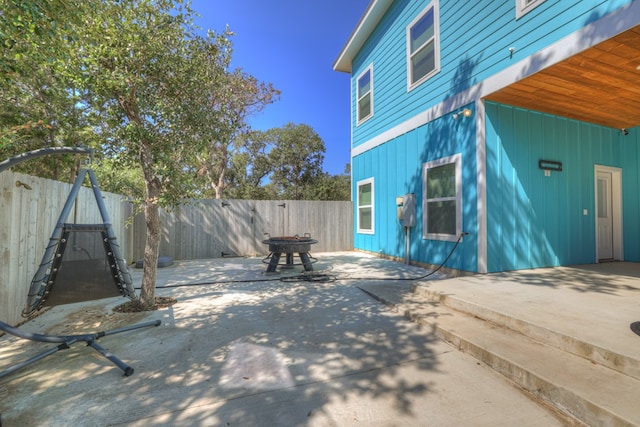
[86,242]
[65,341]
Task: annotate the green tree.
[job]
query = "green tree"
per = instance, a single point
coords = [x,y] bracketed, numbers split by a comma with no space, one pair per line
[297,156]
[245,96]
[259,155]
[151,83]
[39,105]
[250,168]
[113,177]
[134,80]
[37,30]
[330,187]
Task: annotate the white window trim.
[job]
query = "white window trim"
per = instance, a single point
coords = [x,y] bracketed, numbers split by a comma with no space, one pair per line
[436,47]
[373,212]
[457,159]
[364,119]
[522,8]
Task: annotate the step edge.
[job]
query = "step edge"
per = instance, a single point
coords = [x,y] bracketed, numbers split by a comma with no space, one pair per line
[558,396]
[605,357]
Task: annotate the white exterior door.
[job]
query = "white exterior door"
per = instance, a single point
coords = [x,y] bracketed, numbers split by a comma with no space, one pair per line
[604,216]
[608,213]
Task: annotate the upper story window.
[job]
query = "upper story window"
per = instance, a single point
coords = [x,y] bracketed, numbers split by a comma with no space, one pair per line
[423,46]
[365,206]
[365,95]
[525,6]
[442,198]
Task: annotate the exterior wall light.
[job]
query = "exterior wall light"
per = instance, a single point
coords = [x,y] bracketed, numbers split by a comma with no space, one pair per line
[463,113]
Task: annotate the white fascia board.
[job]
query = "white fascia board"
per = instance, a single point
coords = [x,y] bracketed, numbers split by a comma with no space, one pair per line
[603,29]
[368,22]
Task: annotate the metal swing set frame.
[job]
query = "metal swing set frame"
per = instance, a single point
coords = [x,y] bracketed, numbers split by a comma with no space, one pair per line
[44,279]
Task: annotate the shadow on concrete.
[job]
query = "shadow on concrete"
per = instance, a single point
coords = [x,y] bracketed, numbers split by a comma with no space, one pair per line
[266,353]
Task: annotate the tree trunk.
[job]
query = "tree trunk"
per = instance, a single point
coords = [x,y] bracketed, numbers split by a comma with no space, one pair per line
[220,186]
[152,244]
[152,222]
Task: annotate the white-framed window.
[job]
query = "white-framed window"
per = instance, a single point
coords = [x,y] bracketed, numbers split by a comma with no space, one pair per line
[365,206]
[423,46]
[525,6]
[442,198]
[364,94]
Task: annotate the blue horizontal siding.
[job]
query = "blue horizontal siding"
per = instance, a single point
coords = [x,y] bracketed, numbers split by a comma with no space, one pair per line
[537,221]
[396,167]
[475,42]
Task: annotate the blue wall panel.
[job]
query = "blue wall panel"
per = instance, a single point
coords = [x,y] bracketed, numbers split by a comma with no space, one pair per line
[398,171]
[536,220]
[630,145]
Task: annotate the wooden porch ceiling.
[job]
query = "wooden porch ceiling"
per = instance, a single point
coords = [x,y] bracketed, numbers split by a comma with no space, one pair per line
[600,85]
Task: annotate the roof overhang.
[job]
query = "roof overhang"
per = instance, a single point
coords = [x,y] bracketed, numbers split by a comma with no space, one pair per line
[368,22]
[599,85]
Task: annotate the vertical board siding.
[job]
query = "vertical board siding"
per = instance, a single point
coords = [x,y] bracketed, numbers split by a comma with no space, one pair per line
[630,146]
[396,167]
[27,220]
[536,220]
[475,38]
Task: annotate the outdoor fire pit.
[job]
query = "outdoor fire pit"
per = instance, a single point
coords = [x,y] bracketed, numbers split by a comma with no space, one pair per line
[289,245]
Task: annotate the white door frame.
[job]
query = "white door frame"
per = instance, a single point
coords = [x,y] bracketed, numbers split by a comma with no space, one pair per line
[616,208]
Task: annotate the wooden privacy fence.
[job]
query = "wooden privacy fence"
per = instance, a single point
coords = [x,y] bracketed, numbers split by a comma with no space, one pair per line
[30,207]
[217,228]
[29,210]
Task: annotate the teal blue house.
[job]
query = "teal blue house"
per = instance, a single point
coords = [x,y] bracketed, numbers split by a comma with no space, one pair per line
[509,127]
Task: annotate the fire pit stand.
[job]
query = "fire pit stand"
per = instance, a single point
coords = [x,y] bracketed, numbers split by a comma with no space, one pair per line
[289,245]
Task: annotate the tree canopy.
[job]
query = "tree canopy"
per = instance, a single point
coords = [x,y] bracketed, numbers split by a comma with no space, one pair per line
[155,97]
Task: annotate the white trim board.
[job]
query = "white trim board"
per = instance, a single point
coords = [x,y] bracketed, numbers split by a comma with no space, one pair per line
[481,186]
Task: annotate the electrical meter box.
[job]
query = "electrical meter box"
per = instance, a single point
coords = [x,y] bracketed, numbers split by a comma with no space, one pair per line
[407,209]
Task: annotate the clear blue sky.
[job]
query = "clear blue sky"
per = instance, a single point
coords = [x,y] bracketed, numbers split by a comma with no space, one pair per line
[293,44]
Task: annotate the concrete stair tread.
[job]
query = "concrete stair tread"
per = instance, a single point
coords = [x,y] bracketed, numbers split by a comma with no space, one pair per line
[560,333]
[539,368]
[592,393]
[563,301]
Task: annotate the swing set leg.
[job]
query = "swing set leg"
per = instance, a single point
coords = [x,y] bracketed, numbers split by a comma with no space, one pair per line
[66,341]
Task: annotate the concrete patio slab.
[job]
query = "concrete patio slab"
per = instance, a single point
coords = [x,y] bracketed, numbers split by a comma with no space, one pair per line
[249,349]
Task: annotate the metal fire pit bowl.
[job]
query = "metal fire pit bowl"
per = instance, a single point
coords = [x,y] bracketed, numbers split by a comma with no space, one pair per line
[289,245]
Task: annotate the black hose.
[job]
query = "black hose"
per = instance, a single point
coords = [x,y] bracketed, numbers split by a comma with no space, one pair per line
[429,273]
[319,277]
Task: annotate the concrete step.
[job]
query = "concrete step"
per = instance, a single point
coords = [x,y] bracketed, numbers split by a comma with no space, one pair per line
[579,388]
[578,346]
